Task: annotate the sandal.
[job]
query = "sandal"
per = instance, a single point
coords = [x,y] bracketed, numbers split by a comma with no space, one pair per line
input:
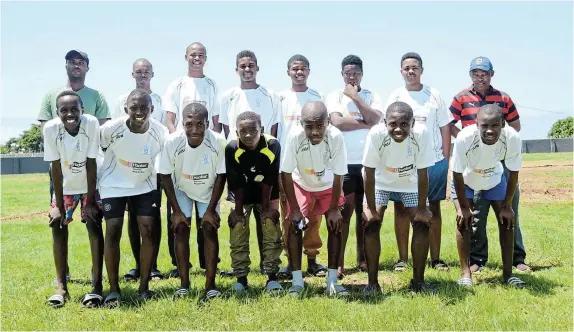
[400,266]
[172,274]
[92,301]
[273,287]
[465,282]
[57,300]
[156,275]
[146,295]
[421,287]
[317,270]
[372,290]
[285,273]
[212,294]
[337,290]
[296,290]
[440,265]
[180,293]
[515,282]
[133,275]
[112,300]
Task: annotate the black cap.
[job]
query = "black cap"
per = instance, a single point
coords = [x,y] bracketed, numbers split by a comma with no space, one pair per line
[75,53]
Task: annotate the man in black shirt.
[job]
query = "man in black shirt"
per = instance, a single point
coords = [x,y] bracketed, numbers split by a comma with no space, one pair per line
[252,164]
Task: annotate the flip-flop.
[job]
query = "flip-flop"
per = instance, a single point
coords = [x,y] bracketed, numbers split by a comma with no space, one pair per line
[273,287]
[156,275]
[285,273]
[372,290]
[133,275]
[92,301]
[337,290]
[212,293]
[180,293]
[317,270]
[516,282]
[112,300]
[464,282]
[57,300]
[146,295]
[172,274]
[400,266]
[238,287]
[362,267]
[439,265]
[227,274]
[296,290]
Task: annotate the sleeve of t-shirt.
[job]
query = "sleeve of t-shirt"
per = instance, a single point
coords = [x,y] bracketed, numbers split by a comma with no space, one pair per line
[339,156]
[272,173]
[216,108]
[105,134]
[276,109]
[46,108]
[170,99]
[455,110]
[392,98]
[425,157]
[162,140]
[220,168]
[224,109]
[371,152]
[94,138]
[289,162]
[444,116]
[51,152]
[512,114]
[458,160]
[332,103]
[235,178]
[102,109]
[376,101]
[166,158]
[513,159]
[118,109]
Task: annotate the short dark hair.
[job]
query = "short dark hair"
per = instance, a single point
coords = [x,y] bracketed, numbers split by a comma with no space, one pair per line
[492,109]
[69,93]
[400,107]
[245,54]
[195,109]
[298,57]
[137,93]
[249,116]
[352,60]
[412,55]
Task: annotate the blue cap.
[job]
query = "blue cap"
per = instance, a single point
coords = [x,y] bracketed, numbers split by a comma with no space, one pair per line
[77,53]
[482,63]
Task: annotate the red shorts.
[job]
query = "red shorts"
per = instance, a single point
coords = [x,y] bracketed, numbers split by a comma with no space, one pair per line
[72,201]
[315,203]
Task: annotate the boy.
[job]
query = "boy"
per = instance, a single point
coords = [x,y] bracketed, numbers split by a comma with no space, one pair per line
[252,164]
[476,166]
[192,168]
[312,169]
[71,144]
[397,149]
[132,146]
[291,102]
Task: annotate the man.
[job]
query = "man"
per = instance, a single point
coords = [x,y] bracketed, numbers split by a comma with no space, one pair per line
[71,144]
[291,103]
[464,108]
[184,90]
[192,168]
[353,110]
[397,150]
[142,72]
[314,163]
[476,168]
[77,66]
[252,164]
[430,111]
[132,146]
[249,96]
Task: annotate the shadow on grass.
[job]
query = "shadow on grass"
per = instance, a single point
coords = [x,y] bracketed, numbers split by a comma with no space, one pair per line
[536,285]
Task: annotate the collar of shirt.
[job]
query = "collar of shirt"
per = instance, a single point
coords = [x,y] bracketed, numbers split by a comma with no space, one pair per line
[474,92]
[262,147]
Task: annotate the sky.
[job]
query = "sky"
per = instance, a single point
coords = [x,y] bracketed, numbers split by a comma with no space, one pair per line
[529,43]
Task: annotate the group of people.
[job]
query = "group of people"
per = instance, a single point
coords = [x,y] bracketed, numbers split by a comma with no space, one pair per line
[290,158]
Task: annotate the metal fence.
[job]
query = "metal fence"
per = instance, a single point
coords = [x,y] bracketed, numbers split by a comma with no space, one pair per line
[34,162]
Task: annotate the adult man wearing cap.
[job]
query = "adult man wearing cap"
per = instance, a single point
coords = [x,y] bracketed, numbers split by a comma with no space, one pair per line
[77,65]
[464,107]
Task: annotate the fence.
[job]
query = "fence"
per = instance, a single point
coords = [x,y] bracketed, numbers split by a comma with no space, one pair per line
[34,162]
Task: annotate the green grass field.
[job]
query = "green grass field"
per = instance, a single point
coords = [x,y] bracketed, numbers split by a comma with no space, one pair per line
[27,272]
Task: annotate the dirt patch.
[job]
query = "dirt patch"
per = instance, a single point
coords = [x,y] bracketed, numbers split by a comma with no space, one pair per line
[545,183]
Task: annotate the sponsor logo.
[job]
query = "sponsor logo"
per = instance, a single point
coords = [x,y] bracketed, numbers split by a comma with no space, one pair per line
[253,169]
[258,178]
[197,179]
[420,119]
[318,174]
[486,172]
[136,167]
[75,167]
[146,150]
[401,171]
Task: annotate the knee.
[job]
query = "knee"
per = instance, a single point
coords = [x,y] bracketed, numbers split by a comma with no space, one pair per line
[93,228]
[421,227]
[208,229]
[181,230]
[373,229]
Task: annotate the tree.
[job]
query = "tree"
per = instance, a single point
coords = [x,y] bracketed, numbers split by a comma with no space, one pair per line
[563,128]
[30,141]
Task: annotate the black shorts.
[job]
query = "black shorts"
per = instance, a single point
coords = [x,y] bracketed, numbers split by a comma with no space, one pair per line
[144,205]
[353,180]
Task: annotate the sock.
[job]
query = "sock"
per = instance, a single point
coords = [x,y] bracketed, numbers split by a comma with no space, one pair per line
[272,277]
[298,278]
[331,277]
[242,280]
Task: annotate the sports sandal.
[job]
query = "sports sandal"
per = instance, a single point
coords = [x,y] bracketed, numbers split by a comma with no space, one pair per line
[400,266]
[372,290]
[132,275]
[273,287]
[92,301]
[516,282]
[180,293]
[317,270]
[57,300]
[337,290]
[112,300]
[156,275]
[464,282]
[146,295]
[296,290]
[212,294]
[440,265]
[285,273]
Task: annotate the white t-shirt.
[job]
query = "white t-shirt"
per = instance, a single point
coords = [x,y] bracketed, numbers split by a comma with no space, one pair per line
[354,140]
[72,151]
[186,90]
[261,101]
[158,112]
[313,166]
[429,109]
[480,163]
[397,163]
[291,103]
[129,166]
[194,169]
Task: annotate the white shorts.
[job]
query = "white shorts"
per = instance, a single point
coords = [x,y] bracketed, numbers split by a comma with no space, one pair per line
[186,204]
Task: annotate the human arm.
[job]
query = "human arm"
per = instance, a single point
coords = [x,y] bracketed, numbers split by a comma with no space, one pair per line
[102,112]
[512,117]
[59,213]
[423,213]
[211,214]
[346,123]
[456,112]
[334,217]
[235,184]
[270,179]
[371,113]
[170,121]
[177,216]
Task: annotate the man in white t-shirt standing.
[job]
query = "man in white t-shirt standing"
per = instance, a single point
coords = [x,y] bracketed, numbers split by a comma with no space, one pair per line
[249,96]
[132,146]
[353,110]
[312,170]
[192,168]
[71,144]
[430,111]
[476,166]
[396,152]
[291,102]
[184,90]
[142,72]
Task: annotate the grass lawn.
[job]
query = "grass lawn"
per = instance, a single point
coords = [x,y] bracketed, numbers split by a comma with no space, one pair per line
[27,272]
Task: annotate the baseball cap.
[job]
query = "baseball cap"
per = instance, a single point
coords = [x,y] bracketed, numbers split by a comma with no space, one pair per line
[482,63]
[79,53]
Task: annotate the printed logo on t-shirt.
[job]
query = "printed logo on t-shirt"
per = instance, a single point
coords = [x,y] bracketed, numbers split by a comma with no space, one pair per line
[78,146]
[402,171]
[485,172]
[205,159]
[107,207]
[409,151]
[136,167]
[319,174]
[253,169]
[197,179]
[146,151]
[75,167]
[420,119]
[258,178]
[257,102]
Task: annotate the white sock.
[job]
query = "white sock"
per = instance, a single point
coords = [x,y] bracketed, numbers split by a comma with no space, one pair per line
[331,277]
[298,278]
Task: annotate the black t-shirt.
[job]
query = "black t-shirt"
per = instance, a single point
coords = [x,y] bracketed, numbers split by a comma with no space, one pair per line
[249,169]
